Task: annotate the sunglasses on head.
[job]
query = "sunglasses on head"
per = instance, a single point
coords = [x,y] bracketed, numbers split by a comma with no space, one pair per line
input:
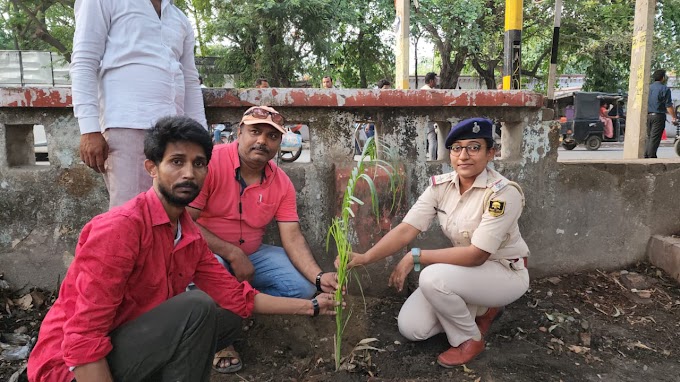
[264,114]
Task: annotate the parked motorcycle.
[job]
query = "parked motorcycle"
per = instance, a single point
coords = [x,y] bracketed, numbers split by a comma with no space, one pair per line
[223,133]
[291,144]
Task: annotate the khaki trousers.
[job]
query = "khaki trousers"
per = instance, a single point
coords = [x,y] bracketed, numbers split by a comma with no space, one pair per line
[125,176]
[450,297]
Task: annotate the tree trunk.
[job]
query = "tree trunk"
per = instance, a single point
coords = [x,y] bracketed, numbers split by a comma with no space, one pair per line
[488,73]
[451,68]
[363,82]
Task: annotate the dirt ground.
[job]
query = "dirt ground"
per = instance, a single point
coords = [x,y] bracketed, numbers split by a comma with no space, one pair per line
[596,326]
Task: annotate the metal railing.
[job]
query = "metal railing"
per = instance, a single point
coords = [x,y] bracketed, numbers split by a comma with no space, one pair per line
[37,68]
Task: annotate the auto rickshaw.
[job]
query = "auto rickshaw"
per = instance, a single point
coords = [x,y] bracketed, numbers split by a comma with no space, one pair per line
[580,118]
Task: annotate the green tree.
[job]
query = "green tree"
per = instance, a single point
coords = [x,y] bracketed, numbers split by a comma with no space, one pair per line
[39,24]
[451,26]
[273,38]
[360,55]
[667,36]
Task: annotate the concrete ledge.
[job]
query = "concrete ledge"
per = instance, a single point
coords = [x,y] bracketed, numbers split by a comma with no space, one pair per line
[306,98]
[664,252]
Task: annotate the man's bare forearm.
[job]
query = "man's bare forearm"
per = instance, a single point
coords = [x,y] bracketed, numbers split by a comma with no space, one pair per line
[298,251]
[97,371]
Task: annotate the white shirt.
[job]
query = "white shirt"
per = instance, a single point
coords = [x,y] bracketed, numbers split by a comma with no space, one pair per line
[426,86]
[129,67]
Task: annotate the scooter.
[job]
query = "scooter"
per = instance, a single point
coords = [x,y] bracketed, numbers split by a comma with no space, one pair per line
[291,144]
[223,133]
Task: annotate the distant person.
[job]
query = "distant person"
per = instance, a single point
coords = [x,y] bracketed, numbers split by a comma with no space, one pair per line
[125,77]
[617,110]
[200,80]
[430,81]
[384,84]
[431,128]
[122,313]
[261,83]
[607,120]
[658,104]
[327,82]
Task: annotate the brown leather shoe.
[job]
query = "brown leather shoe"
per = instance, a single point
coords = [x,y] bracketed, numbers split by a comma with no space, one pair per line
[485,320]
[462,354]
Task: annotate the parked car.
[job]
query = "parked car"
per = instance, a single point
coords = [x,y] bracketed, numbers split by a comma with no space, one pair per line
[40,143]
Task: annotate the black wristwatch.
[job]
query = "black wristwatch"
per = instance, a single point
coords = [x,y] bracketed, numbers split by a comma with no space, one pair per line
[318,281]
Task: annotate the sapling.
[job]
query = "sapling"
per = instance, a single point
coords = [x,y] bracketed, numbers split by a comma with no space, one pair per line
[340,228]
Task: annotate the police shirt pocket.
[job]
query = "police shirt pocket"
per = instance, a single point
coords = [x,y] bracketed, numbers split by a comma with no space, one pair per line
[464,232]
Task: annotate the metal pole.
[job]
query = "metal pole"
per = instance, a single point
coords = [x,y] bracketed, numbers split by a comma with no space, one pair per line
[553,56]
[52,68]
[512,45]
[21,69]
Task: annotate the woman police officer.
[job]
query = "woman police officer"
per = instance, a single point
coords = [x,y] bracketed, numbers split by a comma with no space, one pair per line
[463,288]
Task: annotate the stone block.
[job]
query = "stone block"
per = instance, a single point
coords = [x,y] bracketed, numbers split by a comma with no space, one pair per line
[664,252]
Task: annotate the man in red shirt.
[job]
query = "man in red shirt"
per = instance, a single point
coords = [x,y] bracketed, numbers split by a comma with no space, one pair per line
[122,312]
[243,192]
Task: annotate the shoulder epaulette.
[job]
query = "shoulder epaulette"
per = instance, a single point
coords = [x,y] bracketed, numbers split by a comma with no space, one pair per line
[442,178]
[497,185]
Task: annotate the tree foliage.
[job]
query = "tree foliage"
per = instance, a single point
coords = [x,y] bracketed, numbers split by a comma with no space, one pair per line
[38,25]
[361,52]
[290,40]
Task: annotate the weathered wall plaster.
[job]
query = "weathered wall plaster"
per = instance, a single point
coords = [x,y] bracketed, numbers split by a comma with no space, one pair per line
[578,215]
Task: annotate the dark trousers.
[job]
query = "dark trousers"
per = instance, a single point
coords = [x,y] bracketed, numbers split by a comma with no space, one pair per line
[175,341]
[656,123]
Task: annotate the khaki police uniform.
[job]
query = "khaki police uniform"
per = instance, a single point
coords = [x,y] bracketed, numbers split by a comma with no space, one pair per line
[449,297]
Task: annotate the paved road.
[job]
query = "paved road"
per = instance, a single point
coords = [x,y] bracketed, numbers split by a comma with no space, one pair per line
[611,151]
[608,151]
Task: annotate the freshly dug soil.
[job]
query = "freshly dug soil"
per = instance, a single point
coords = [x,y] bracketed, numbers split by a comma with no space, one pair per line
[577,327]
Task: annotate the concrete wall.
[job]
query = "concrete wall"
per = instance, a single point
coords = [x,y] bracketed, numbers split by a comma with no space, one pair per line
[578,215]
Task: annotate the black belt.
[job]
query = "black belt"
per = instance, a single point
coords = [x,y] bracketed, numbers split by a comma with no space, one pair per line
[656,113]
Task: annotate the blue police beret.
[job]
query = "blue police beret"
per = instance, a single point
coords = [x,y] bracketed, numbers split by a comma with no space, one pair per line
[471,128]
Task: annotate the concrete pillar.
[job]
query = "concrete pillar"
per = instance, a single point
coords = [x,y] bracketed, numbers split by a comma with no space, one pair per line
[638,88]
[402,41]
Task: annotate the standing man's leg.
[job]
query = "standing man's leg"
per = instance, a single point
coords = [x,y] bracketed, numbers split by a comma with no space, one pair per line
[432,145]
[275,275]
[649,134]
[125,176]
[655,128]
[174,341]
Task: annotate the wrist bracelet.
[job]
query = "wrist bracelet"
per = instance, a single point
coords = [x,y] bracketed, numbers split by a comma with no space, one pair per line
[315,305]
[318,281]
